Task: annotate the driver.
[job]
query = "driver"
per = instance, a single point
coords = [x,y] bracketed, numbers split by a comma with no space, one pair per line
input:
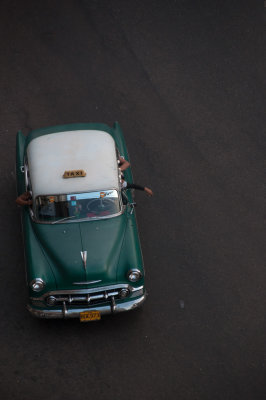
[126,185]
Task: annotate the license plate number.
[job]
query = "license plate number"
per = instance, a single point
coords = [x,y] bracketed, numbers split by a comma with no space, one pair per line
[86,316]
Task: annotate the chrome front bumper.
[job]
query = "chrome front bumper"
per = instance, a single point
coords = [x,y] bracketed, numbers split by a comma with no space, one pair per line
[65,312]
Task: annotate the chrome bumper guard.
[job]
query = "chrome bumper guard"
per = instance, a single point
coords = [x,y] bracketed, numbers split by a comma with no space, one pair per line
[75,312]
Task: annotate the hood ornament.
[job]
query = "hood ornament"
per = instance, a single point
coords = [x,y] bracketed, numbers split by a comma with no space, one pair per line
[84,257]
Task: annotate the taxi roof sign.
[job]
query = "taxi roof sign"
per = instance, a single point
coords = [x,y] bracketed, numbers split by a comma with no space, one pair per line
[75,173]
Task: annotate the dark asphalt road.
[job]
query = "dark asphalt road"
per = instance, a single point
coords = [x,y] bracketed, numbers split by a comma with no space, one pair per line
[185,81]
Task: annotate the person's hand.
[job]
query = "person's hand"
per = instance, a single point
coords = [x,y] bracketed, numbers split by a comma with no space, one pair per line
[124,164]
[24,199]
[148,191]
[28,199]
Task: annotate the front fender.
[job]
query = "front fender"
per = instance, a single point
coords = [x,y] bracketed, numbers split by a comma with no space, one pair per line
[37,264]
[130,256]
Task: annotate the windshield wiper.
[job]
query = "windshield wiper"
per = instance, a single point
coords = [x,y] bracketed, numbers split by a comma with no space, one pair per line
[63,219]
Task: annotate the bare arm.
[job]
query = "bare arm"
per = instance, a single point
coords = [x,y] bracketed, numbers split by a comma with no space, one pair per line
[124,164]
[148,191]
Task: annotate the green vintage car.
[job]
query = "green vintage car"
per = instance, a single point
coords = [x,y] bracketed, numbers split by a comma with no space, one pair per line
[82,249]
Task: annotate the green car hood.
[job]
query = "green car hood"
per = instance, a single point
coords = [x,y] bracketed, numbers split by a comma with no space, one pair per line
[64,242]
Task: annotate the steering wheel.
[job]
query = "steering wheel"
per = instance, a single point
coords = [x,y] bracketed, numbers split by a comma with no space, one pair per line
[99,205]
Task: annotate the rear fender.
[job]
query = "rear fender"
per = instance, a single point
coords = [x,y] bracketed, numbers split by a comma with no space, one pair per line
[20,149]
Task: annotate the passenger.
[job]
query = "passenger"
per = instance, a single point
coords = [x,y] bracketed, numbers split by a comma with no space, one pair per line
[24,199]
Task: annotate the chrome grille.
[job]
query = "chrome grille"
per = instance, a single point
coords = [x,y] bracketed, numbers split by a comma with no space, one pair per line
[90,298]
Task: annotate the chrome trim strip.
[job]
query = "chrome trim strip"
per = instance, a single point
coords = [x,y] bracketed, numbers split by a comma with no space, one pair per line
[26,171]
[135,289]
[74,313]
[86,283]
[86,291]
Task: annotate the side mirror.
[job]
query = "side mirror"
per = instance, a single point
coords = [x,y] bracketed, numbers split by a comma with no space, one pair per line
[31,212]
[132,205]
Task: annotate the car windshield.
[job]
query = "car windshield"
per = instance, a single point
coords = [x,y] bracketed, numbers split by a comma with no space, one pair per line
[76,206]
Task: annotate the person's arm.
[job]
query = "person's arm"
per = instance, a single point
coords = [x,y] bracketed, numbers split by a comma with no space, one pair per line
[138,187]
[148,191]
[124,164]
[134,186]
[24,199]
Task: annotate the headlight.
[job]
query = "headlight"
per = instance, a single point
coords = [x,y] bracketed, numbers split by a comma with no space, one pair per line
[37,284]
[134,275]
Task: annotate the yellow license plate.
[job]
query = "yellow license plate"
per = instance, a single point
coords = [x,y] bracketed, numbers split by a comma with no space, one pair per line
[89,316]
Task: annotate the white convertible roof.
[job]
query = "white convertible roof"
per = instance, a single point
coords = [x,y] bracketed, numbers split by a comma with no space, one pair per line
[49,156]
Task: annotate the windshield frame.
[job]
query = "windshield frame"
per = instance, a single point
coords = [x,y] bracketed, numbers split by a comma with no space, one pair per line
[69,219]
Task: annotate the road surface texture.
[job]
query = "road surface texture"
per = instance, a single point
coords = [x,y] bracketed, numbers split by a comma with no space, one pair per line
[185,80]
